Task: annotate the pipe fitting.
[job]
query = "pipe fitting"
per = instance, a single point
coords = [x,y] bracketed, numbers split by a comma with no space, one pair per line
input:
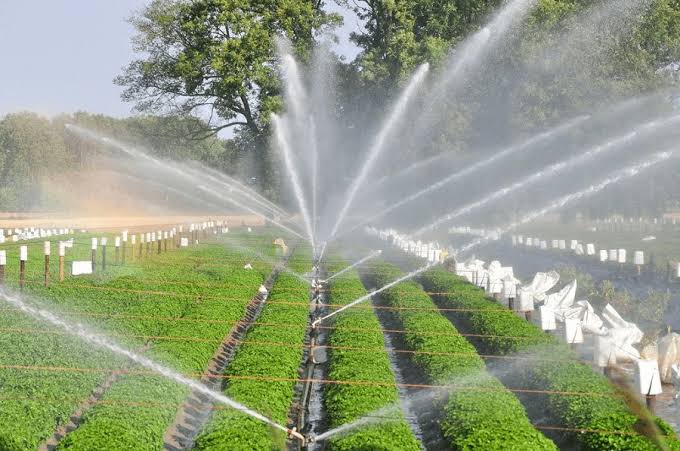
[293,433]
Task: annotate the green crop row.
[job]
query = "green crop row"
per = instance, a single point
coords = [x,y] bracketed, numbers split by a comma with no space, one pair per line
[484,316]
[113,424]
[345,402]
[600,408]
[232,430]
[128,303]
[479,412]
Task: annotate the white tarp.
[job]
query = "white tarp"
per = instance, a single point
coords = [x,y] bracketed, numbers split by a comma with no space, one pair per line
[536,290]
[509,287]
[496,274]
[623,333]
[669,355]
[647,380]
[562,300]
[590,322]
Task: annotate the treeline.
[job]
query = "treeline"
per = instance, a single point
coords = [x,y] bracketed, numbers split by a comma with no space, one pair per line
[34,150]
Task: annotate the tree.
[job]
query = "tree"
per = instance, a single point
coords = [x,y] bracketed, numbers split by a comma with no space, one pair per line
[217,58]
[401,34]
[30,148]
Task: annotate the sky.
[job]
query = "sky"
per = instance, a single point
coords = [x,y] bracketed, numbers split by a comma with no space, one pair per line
[62,55]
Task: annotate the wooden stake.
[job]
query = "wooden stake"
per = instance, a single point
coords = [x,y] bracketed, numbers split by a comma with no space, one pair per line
[160,243]
[94,254]
[651,403]
[23,256]
[104,257]
[22,274]
[62,253]
[3,262]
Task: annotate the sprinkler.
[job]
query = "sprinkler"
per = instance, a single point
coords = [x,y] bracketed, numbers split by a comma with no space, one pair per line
[293,433]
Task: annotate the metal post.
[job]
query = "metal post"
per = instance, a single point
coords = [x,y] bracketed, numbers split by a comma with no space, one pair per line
[3,263]
[94,254]
[104,242]
[23,256]
[47,248]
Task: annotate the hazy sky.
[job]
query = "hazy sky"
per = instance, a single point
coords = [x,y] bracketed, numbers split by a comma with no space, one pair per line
[62,55]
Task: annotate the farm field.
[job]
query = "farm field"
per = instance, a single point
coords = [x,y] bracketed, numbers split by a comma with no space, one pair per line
[177,308]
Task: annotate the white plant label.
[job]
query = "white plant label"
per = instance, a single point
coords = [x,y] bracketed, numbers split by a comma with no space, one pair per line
[3,258]
[184,242]
[23,253]
[79,268]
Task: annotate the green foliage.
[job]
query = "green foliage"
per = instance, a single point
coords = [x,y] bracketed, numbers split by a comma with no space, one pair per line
[40,160]
[479,412]
[345,402]
[186,284]
[599,408]
[484,317]
[230,430]
[30,147]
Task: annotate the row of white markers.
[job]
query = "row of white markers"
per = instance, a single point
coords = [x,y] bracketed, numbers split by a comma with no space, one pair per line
[604,255]
[85,267]
[614,336]
[431,250]
[31,233]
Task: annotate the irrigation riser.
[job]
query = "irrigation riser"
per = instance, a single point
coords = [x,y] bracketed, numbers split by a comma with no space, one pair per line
[197,409]
[76,418]
[299,410]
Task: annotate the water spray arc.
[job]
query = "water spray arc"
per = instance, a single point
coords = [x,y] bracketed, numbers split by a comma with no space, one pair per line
[295,179]
[512,150]
[548,171]
[378,291]
[79,331]
[232,184]
[196,179]
[471,51]
[623,174]
[398,111]
[355,264]
[226,181]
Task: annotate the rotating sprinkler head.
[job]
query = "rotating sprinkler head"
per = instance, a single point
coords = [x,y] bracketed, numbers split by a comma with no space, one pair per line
[293,433]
